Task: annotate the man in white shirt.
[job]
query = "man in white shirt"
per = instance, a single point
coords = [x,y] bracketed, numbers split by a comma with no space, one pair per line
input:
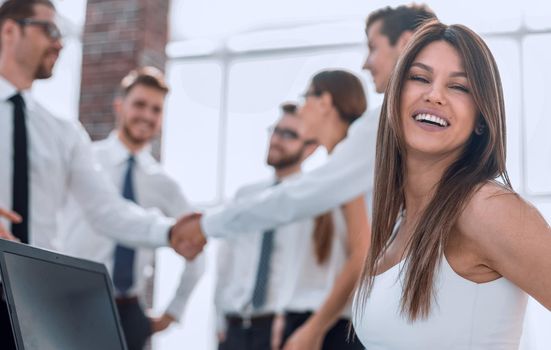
[252,268]
[44,158]
[349,171]
[126,156]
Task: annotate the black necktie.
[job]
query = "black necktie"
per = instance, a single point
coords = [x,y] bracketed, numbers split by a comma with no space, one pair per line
[20,180]
[123,268]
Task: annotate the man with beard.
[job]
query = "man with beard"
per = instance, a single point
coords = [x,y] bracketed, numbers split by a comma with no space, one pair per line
[251,268]
[126,156]
[44,158]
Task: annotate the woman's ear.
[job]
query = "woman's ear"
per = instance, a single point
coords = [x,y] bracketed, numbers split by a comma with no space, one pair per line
[480,127]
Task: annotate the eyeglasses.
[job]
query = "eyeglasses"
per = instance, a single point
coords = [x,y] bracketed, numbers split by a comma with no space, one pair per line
[49,28]
[284,134]
[288,135]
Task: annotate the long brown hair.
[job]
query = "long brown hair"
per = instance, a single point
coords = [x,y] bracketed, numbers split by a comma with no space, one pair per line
[482,159]
[349,99]
[323,237]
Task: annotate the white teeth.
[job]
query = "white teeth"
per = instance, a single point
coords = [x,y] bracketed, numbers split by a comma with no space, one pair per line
[431,118]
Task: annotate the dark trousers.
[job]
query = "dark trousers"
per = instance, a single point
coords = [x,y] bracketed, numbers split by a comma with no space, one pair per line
[135,324]
[337,338]
[7,341]
[241,335]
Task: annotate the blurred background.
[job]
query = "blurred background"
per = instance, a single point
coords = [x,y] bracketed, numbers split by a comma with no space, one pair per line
[231,63]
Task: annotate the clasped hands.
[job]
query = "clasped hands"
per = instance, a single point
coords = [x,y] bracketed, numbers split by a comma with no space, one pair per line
[186,236]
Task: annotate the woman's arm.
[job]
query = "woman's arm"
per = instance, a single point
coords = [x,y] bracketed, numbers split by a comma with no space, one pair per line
[512,238]
[311,334]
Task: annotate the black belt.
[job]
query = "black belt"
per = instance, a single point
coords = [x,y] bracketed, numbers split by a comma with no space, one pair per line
[299,314]
[126,300]
[303,316]
[252,321]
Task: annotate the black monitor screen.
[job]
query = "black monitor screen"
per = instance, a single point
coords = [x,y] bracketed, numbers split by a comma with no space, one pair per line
[61,307]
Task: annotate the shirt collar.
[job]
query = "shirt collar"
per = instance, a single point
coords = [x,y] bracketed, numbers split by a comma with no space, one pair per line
[7,90]
[287,178]
[120,154]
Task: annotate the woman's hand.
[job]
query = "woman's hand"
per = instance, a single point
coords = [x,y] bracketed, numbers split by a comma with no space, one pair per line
[278,326]
[159,324]
[306,337]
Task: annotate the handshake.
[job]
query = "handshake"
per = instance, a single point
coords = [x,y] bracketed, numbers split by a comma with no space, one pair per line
[186,236]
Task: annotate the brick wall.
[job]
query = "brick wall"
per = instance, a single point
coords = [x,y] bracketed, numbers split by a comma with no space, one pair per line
[119,35]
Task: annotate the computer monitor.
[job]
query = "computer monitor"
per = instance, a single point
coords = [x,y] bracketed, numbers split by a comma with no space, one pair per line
[58,302]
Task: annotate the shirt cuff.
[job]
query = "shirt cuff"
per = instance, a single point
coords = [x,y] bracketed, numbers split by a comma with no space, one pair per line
[209,226]
[159,231]
[174,312]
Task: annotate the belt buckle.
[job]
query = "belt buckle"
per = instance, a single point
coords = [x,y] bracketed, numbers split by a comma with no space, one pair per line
[246,324]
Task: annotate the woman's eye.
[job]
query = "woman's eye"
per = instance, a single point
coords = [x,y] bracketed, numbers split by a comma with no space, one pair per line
[418,78]
[460,88]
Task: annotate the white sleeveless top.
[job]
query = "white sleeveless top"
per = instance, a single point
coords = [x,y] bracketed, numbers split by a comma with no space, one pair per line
[464,315]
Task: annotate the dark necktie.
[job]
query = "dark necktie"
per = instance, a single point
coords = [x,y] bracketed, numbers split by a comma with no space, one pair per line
[123,267]
[20,180]
[263,272]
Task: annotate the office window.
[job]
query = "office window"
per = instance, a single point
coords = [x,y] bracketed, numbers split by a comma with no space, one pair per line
[191,136]
[537,109]
[507,55]
[60,94]
[536,14]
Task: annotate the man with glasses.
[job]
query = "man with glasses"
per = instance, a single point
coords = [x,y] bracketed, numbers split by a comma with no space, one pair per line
[44,158]
[49,28]
[251,268]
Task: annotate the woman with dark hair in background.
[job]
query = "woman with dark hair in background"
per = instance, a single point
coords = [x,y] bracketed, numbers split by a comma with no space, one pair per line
[454,251]
[327,263]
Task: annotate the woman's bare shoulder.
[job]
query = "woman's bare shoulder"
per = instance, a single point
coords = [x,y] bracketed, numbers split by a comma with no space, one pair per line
[509,236]
[493,210]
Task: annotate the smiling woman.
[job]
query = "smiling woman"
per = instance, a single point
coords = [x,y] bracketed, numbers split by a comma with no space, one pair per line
[464,248]
[437,107]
